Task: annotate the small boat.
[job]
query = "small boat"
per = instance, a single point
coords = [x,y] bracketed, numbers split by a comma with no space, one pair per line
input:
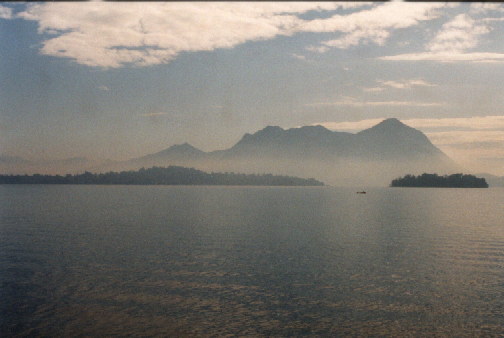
[361,192]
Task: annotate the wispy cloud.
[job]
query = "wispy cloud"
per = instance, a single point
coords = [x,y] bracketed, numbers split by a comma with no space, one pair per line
[154,114]
[486,7]
[406,84]
[476,137]
[470,123]
[447,57]
[299,57]
[480,149]
[452,42]
[317,49]
[352,102]
[399,84]
[373,89]
[350,126]
[492,19]
[5,12]
[458,35]
[373,25]
[102,34]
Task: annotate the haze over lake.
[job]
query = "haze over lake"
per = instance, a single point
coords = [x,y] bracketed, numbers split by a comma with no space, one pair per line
[273,261]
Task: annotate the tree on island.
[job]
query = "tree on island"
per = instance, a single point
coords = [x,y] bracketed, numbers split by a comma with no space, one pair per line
[173,175]
[436,181]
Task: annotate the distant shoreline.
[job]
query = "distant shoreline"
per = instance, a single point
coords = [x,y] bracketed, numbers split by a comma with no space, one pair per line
[172,175]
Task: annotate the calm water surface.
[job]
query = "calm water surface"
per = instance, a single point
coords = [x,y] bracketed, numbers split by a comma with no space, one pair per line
[259,261]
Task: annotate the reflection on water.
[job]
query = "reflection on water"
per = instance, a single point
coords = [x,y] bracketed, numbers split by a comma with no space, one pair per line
[185,261]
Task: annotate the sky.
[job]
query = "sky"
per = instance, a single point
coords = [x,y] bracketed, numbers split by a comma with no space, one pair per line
[121,80]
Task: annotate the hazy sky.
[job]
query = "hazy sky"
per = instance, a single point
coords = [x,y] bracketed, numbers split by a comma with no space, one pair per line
[120,80]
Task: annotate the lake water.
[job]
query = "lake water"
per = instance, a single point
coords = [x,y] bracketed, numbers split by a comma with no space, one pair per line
[257,261]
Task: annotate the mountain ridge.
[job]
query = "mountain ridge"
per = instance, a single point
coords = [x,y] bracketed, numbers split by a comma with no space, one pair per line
[386,149]
[374,155]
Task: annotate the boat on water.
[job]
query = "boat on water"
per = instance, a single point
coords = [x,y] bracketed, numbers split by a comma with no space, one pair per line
[361,192]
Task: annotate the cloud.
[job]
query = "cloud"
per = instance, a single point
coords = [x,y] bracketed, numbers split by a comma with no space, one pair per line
[470,123]
[406,84]
[299,57]
[373,25]
[452,42]
[355,38]
[317,49]
[154,114]
[102,34]
[486,7]
[400,84]
[472,147]
[350,126]
[447,57]
[347,101]
[492,19]
[373,89]
[477,145]
[465,138]
[5,12]
[458,35]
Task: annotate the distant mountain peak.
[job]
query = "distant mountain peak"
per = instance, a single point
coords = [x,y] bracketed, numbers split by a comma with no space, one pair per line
[390,126]
[184,150]
[317,127]
[265,134]
[183,146]
[391,122]
[270,130]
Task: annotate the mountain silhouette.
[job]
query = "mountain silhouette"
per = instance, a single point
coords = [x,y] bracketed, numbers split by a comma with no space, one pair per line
[373,156]
[307,141]
[183,151]
[392,139]
[388,140]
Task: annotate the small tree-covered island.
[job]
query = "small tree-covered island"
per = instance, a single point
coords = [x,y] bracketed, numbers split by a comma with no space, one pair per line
[436,181]
[172,175]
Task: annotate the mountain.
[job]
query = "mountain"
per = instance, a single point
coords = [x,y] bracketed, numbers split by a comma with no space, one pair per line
[388,140]
[176,152]
[373,156]
[392,139]
[307,141]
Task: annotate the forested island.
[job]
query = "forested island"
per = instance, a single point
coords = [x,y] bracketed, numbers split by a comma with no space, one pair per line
[172,175]
[436,181]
